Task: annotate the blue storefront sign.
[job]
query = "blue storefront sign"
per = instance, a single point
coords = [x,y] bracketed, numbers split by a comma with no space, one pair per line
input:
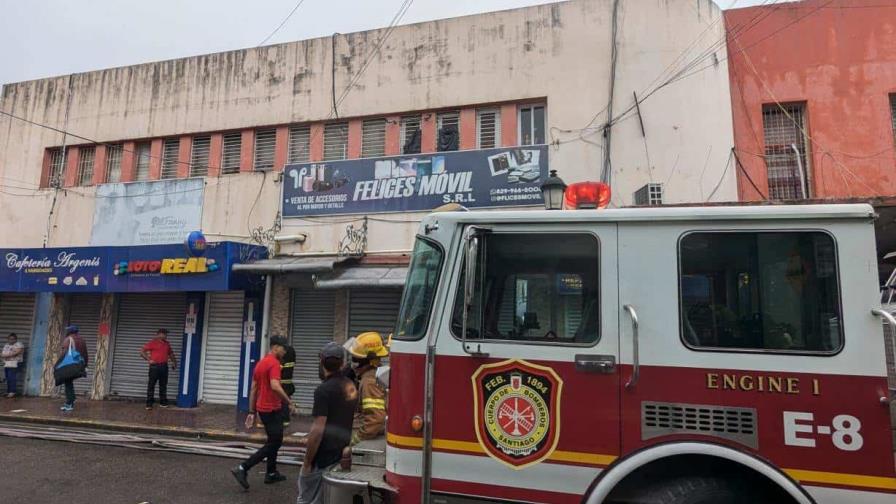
[150,268]
[476,178]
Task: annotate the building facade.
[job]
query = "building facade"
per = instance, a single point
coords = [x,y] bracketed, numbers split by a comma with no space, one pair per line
[327,152]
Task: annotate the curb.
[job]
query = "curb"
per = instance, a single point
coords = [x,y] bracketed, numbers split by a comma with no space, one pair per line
[185,432]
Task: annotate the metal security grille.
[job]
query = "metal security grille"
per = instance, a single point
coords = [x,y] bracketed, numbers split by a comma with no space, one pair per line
[17,316]
[785,152]
[86,157]
[223,341]
[56,167]
[488,128]
[144,151]
[265,140]
[373,138]
[313,316]
[299,144]
[139,317]
[170,150]
[410,126]
[113,163]
[335,141]
[230,153]
[373,310]
[735,424]
[649,195]
[199,156]
[84,312]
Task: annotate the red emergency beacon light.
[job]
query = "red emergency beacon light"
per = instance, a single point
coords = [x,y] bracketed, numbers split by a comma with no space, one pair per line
[587,195]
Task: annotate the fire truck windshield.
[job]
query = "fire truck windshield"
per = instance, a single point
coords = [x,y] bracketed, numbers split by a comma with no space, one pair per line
[419,291]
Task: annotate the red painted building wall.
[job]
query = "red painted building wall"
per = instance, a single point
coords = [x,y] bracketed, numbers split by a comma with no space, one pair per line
[837,58]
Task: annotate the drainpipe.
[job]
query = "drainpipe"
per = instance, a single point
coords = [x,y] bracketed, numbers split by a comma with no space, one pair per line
[266,312]
[803,174]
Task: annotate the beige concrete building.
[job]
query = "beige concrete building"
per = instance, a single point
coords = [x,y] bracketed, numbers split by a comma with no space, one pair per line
[496,88]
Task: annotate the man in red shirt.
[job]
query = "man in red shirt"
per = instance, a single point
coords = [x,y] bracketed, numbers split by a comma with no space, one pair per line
[266,398]
[158,353]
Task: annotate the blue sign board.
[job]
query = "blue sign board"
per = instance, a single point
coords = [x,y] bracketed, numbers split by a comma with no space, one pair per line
[150,268]
[475,178]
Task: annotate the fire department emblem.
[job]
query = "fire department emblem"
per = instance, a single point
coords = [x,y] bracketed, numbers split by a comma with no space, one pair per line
[517,411]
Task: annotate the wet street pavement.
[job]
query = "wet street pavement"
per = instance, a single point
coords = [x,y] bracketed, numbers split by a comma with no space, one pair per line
[52,472]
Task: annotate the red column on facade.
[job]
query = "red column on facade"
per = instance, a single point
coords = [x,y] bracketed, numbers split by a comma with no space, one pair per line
[316,142]
[393,135]
[99,165]
[467,129]
[353,150]
[128,161]
[247,153]
[281,148]
[428,133]
[215,151]
[509,126]
[184,155]
[155,159]
[70,177]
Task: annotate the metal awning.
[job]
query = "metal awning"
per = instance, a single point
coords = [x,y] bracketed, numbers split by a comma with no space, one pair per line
[316,264]
[361,276]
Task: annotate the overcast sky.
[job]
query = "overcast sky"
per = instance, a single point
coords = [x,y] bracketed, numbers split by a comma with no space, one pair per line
[42,38]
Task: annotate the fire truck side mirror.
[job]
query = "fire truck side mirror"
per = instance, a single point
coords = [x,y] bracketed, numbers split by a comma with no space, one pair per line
[471,255]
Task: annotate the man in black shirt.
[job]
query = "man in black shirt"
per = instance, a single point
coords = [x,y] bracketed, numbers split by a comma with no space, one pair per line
[335,401]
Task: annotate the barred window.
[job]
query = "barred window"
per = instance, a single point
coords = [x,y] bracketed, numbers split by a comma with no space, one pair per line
[488,128]
[335,141]
[373,138]
[200,155]
[57,167]
[299,144]
[85,165]
[230,153]
[144,153]
[785,152]
[113,163]
[265,141]
[531,125]
[448,124]
[170,149]
[410,134]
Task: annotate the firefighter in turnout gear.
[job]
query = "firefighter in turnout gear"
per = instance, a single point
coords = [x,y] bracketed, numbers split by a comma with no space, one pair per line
[287,367]
[367,349]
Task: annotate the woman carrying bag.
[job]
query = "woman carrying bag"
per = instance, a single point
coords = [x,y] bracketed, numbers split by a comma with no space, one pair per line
[72,364]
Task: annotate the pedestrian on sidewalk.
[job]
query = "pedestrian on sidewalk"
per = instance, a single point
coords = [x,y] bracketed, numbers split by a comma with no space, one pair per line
[335,400]
[159,354]
[287,367]
[13,355]
[72,340]
[266,398]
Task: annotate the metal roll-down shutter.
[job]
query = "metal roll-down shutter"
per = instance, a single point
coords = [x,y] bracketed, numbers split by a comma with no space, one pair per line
[313,317]
[84,312]
[221,366]
[139,317]
[17,316]
[373,310]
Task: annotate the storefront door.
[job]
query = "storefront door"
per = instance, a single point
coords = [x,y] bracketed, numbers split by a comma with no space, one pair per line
[84,312]
[221,348]
[313,318]
[373,310]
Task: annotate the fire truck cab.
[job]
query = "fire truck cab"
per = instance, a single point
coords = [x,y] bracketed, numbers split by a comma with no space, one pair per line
[647,355]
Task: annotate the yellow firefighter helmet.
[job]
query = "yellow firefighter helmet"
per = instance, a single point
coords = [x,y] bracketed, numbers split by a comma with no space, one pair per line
[368,345]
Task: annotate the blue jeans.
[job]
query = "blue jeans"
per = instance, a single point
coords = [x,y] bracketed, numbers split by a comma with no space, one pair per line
[11,376]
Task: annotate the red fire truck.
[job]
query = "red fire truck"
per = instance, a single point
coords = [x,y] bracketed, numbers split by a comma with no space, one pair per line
[668,355]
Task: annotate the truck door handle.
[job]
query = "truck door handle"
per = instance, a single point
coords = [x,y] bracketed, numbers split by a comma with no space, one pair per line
[602,364]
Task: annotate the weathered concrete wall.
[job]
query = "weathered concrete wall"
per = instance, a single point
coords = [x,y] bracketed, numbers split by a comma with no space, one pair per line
[840,62]
[558,52]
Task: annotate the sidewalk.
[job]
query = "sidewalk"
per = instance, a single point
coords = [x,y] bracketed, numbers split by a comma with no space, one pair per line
[209,421]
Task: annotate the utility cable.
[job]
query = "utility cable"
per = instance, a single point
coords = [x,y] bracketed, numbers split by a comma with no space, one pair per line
[293,11]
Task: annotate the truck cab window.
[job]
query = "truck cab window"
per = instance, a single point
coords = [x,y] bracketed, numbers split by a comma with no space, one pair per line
[534,288]
[419,291]
[775,291]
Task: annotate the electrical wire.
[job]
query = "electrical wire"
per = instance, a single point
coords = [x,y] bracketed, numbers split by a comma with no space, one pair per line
[293,11]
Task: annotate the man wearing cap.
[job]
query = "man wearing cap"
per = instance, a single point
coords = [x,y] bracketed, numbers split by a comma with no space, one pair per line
[72,339]
[266,397]
[335,400]
[158,353]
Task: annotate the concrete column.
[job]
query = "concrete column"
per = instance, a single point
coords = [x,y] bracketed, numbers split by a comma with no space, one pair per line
[191,352]
[99,165]
[428,133]
[509,126]
[184,155]
[155,159]
[129,162]
[34,365]
[70,173]
[281,148]
[55,327]
[393,135]
[247,152]
[355,130]
[316,142]
[279,324]
[100,358]
[467,129]
[215,150]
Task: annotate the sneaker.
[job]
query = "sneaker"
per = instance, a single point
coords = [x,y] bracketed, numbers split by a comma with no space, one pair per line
[163,405]
[11,395]
[67,407]
[241,477]
[148,407]
[274,478]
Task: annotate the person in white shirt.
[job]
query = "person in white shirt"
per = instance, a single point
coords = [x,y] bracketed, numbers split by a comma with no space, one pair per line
[13,355]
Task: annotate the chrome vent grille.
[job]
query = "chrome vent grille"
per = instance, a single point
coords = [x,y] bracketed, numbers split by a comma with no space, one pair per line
[734,424]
